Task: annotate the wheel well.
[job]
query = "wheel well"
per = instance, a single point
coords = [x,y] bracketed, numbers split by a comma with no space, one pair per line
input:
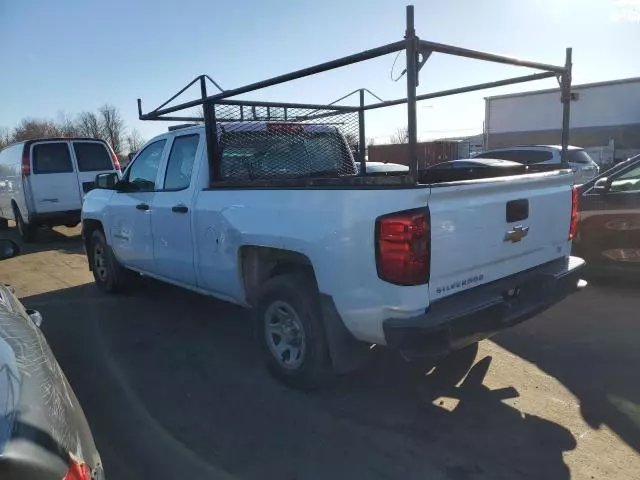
[88,227]
[262,263]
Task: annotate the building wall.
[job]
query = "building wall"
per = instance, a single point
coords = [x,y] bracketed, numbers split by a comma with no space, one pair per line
[609,104]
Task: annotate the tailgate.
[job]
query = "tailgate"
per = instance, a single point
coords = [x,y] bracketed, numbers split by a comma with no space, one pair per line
[486,230]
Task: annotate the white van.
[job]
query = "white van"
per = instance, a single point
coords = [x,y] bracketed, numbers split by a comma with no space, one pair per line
[43,182]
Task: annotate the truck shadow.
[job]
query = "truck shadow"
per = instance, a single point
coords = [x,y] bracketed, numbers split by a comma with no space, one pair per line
[61,239]
[191,364]
[590,344]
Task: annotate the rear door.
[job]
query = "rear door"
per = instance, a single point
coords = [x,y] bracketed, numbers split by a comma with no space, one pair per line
[53,180]
[171,222]
[484,230]
[92,157]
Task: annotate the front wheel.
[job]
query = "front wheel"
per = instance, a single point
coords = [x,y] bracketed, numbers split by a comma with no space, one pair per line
[109,275]
[291,332]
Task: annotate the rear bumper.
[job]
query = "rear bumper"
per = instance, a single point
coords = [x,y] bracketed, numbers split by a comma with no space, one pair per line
[473,315]
[55,218]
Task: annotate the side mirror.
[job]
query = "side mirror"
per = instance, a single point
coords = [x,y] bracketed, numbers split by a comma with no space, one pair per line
[106,181]
[602,186]
[8,249]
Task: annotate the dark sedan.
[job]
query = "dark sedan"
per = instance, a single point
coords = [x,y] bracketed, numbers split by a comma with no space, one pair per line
[609,229]
[44,434]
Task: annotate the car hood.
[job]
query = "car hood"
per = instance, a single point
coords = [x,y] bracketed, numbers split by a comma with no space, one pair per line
[41,420]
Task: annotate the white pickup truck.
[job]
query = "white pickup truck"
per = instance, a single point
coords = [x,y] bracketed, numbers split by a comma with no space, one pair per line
[426,269]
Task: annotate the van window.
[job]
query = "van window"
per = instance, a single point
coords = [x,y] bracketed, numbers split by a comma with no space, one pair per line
[92,156]
[51,158]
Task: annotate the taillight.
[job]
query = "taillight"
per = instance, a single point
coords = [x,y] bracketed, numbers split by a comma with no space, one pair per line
[573,226]
[403,247]
[116,162]
[77,471]
[26,161]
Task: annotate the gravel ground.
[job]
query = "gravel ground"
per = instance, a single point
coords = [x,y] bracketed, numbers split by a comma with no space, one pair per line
[173,387]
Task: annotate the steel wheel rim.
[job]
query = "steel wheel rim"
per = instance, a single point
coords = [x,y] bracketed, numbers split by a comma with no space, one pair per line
[99,262]
[285,334]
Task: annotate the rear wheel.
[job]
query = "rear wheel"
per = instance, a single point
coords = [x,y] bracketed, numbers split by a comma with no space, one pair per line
[109,275]
[291,333]
[27,231]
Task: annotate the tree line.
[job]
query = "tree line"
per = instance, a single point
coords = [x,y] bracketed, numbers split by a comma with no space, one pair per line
[106,123]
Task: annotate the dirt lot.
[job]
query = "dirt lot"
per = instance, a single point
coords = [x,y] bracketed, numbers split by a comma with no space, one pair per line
[173,388]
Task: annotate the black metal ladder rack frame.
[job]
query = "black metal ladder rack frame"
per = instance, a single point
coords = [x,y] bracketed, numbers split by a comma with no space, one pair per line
[417,53]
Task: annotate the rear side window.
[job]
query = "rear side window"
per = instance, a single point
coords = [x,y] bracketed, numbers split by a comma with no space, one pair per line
[92,156]
[579,156]
[181,160]
[261,155]
[51,158]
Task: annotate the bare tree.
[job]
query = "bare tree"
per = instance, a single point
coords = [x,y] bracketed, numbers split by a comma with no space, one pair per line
[5,137]
[88,125]
[31,128]
[112,127]
[66,126]
[134,141]
[401,135]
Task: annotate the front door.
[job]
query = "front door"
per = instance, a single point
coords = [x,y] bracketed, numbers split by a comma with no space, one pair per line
[610,221]
[172,215]
[131,210]
[53,179]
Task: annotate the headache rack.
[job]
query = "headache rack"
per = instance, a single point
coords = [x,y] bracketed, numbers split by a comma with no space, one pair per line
[301,136]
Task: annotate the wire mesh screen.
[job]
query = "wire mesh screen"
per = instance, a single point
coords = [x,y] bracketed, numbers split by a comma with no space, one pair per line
[261,143]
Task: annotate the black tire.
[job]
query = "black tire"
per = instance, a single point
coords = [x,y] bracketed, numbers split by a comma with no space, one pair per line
[109,275]
[4,223]
[299,293]
[71,225]
[27,232]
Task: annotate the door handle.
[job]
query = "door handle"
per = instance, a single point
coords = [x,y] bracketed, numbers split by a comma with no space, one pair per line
[142,206]
[180,209]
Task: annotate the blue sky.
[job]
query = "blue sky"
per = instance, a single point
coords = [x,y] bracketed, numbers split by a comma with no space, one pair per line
[66,57]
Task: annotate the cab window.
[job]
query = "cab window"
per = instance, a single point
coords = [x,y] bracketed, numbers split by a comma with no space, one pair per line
[181,160]
[143,171]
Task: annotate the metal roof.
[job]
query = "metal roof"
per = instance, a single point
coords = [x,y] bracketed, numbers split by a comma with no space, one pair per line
[573,88]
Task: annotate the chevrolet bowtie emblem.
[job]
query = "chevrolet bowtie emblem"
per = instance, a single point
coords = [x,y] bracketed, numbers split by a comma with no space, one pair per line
[517,234]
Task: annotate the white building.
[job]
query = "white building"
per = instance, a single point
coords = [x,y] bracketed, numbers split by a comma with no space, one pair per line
[605,119]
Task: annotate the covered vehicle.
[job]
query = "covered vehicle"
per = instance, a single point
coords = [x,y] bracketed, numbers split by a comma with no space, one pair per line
[44,434]
[582,165]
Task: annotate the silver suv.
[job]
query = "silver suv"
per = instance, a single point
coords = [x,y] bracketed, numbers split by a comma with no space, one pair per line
[580,162]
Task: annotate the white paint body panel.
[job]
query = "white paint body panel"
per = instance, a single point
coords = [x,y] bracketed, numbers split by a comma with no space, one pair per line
[335,229]
[12,187]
